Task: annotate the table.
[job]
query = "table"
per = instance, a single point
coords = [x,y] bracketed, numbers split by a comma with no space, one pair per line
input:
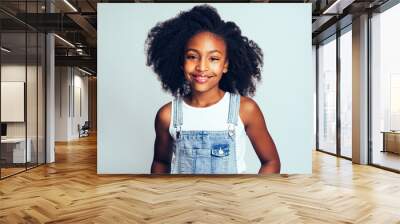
[15,148]
[391,141]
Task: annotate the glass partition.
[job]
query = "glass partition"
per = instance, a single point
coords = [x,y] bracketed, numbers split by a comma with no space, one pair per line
[327,96]
[32,83]
[22,88]
[32,95]
[13,105]
[41,87]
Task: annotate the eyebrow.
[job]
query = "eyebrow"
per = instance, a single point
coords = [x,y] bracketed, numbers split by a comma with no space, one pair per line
[191,49]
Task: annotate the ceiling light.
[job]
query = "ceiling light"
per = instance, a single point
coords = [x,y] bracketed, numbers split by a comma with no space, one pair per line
[79,51]
[70,5]
[65,41]
[5,50]
[337,7]
[84,71]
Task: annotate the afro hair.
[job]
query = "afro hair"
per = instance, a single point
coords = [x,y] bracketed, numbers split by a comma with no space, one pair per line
[166,43]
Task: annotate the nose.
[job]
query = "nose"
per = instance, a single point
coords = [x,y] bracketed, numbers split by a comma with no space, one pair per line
[202,65]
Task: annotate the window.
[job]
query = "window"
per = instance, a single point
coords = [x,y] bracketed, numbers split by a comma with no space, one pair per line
[346,93]
[385,88]
[327,96]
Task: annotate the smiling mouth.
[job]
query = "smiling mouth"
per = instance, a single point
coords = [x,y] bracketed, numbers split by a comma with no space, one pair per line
[201,78]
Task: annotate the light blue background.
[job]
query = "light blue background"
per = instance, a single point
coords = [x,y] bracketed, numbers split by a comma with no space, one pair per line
[129,93]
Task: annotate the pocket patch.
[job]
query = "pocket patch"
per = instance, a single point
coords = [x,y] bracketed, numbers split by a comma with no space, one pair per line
[220,150]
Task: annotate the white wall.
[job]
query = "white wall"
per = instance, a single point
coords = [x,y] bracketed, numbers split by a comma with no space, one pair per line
[69,84]
[129,93]
[61,103]
[81,114]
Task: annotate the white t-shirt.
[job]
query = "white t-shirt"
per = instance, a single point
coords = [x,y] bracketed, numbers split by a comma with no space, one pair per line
[212,118]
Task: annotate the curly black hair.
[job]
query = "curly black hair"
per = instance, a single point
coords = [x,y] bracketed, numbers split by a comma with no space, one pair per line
[166,43]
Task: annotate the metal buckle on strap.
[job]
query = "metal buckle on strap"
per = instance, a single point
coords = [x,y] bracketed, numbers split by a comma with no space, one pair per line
[178,132]
[231,129]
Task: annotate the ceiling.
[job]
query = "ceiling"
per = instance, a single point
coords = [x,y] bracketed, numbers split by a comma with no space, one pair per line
[76,22]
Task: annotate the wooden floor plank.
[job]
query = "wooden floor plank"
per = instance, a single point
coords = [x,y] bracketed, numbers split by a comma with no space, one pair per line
[70,191]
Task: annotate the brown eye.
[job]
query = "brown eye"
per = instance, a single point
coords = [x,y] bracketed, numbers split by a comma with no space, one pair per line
[214,59]
[191,57]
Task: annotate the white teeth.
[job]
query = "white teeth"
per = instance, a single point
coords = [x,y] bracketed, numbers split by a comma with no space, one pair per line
[200,79]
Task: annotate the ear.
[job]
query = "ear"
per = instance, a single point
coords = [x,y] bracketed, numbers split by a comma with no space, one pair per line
[226,65]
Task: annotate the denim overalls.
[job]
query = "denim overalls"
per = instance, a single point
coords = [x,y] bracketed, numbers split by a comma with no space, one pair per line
[205,152]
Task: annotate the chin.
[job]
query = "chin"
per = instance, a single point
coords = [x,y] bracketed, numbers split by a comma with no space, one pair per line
[200,90]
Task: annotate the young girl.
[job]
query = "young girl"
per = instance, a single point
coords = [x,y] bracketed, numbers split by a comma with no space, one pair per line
[210,68]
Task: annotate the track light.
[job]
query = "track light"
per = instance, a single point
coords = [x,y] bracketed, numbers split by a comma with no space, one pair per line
[70,5]
[84,71]
[337,7]
[5,50]
[65,41]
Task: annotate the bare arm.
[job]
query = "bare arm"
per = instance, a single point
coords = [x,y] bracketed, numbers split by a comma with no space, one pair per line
[259,136]
[162,144]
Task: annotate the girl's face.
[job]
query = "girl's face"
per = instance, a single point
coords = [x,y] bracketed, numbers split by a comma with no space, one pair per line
[205,61]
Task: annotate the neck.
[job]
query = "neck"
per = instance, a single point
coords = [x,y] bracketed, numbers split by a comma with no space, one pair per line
[205,99]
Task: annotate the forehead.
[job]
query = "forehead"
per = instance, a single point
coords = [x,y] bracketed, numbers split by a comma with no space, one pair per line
[206,41]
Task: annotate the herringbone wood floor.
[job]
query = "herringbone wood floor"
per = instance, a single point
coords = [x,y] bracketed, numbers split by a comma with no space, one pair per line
[70,191]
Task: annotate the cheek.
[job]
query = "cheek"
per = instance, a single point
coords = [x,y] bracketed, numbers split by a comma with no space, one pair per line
[188,66]
[217,67]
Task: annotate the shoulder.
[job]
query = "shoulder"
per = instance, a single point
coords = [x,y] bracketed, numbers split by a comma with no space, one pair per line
[248,105]
[163,117]
[249,110]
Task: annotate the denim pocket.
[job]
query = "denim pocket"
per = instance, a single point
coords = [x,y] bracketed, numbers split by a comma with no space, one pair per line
[220,150]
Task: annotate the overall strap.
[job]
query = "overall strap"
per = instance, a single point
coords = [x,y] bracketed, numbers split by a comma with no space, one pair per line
[178,115]
[234,106]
